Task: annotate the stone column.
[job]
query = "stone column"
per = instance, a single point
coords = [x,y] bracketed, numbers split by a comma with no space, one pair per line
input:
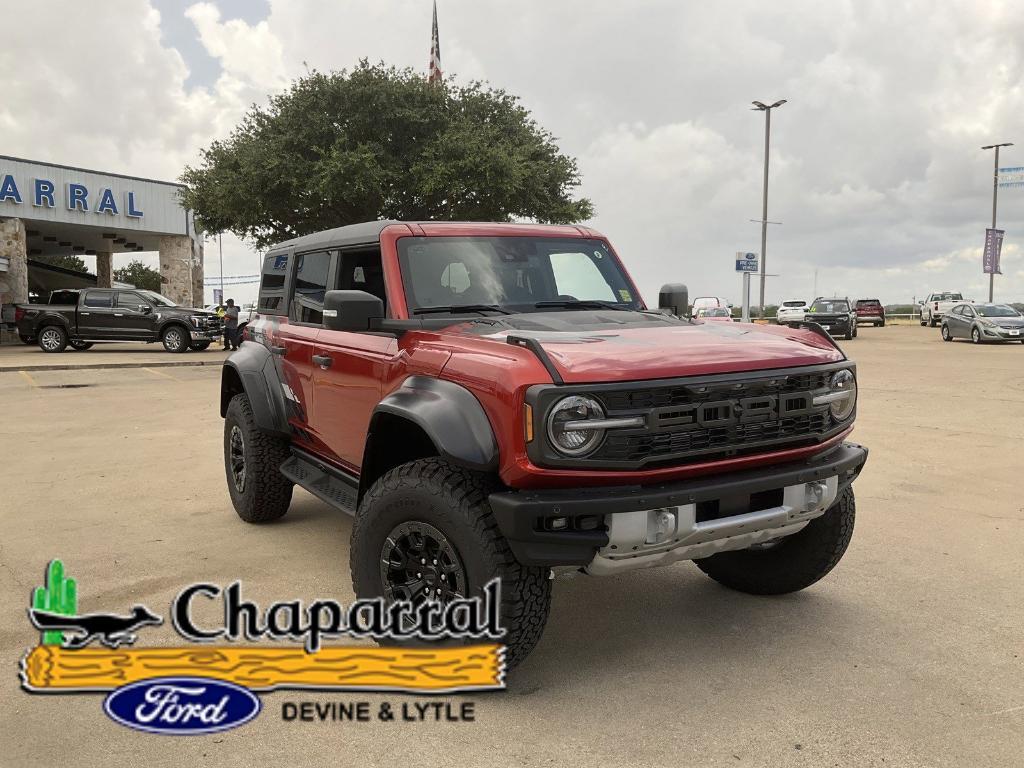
[13,282]
[104,269]
[175,268]
[198,294]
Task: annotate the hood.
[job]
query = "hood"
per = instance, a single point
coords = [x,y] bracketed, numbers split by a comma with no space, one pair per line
[611,346]
[1009,322]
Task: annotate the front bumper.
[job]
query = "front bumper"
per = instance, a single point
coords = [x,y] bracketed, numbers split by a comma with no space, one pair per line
[1003,334]
[592,526]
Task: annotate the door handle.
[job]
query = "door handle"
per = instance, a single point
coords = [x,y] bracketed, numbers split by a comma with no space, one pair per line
[83,314]
[278,350]
[119,314]
[323,360]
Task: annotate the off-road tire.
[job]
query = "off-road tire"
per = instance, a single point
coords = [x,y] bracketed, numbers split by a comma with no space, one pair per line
[200,346]
[265,493]
[792,564]
[175,338]
[454,501]
[52,338]
[80,346]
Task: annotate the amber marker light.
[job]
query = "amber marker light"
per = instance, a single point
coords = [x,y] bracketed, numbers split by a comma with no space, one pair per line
[528,422]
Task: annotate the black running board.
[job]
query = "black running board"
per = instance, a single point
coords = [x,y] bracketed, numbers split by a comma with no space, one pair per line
[329,484]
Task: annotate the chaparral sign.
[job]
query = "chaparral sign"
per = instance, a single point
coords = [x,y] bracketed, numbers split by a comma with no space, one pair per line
[62,195]
[74,197]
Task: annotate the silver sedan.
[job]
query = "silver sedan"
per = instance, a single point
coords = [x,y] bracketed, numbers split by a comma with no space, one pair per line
[983,322]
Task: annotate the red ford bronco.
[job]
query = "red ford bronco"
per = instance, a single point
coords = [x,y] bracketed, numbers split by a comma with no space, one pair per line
[495,400]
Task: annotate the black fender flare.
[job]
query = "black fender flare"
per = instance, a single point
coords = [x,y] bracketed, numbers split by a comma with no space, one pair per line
[252,369]
[50,318]
[450,415]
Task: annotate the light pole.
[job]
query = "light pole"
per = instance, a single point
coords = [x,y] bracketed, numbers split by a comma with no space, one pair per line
[995,193]
[220,249]
[767,109]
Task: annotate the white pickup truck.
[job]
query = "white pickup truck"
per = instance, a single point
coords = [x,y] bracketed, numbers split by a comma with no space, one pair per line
[936,305]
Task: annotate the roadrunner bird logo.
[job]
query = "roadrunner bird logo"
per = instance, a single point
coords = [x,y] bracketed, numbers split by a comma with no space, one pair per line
[110,629]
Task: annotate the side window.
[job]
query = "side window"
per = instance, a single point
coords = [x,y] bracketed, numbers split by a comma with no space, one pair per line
[99,299]
[312,276]
[271,300]
[129,301]
[362,271]
[968,311]
[577,275]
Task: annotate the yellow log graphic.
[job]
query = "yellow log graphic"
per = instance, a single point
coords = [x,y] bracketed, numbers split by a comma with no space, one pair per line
[473,667]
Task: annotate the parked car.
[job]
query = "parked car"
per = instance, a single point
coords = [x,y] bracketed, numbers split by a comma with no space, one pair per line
[791,310]
[937,305]
[117,314]
[708,302]
[715,315]
[835,316]
[496,407]
[870,311]
[982,323]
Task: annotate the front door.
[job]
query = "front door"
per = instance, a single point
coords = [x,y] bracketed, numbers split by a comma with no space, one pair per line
[349,367]
[134,317]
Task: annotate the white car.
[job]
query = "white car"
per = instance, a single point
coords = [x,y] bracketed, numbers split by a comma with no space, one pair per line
[791,310]
[937,304]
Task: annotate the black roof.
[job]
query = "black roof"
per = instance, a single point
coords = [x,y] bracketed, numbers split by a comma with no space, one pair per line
[353,234]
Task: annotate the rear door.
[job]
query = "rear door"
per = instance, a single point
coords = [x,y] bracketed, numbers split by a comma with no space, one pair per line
[296,339]
[955,323]
[96,314]
[133,316]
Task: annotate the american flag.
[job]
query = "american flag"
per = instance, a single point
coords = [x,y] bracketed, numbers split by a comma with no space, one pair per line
[435,75]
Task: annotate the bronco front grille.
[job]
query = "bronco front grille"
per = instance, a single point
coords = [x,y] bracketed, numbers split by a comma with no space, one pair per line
[702,419]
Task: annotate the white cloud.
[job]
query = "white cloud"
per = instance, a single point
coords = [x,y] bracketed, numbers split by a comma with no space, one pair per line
[876,168]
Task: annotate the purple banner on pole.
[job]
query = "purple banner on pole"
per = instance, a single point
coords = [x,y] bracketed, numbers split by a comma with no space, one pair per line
[993,249]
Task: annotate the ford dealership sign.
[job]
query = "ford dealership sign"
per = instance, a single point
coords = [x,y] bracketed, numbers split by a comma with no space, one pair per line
[182,705]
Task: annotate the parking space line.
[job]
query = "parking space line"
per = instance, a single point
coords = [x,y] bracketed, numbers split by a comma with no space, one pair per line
[155,372]
[29,379]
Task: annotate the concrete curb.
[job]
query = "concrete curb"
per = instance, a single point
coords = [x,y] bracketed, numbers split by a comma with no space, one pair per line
[102,366]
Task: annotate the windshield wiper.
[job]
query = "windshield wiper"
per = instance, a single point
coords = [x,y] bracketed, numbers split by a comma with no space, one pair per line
[458,308]
[581,304]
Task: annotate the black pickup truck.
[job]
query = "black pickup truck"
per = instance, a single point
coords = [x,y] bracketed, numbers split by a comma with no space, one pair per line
[80,317]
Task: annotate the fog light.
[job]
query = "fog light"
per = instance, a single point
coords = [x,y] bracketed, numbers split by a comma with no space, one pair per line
[558,523]
[661,525]
[815,493]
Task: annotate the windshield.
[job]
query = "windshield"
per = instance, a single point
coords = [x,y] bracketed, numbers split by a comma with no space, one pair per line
[714,313]
[520,274]
[838,305]
[996,310]
[947,297]
[156,298]
[794,304]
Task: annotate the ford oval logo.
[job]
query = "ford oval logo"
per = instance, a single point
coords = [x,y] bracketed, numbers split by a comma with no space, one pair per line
[182,705]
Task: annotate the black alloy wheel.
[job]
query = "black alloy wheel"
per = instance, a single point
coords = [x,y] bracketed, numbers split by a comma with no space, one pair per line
[419,563]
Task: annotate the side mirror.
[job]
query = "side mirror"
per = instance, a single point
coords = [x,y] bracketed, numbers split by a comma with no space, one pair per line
[145,309]
[351,310]
[921,302]
[675,298]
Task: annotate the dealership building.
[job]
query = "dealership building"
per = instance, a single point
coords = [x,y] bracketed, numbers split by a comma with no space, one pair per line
[48,209]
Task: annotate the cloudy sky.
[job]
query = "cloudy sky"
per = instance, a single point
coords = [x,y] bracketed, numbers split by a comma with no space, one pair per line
[877,176]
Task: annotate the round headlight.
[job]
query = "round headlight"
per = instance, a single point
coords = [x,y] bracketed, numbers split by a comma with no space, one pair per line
[844,382]
[569,411]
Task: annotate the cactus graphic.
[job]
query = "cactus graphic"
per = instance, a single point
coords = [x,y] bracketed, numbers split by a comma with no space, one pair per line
[60,595]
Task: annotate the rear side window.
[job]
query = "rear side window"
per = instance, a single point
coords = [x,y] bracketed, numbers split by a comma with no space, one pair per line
[272,283]
[99,299]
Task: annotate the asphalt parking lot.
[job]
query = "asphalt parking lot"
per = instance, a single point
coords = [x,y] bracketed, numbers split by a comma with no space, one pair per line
[911,653]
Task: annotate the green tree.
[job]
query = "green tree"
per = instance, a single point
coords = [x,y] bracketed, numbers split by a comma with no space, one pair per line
[138,274]
[63,260]
[378,143]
